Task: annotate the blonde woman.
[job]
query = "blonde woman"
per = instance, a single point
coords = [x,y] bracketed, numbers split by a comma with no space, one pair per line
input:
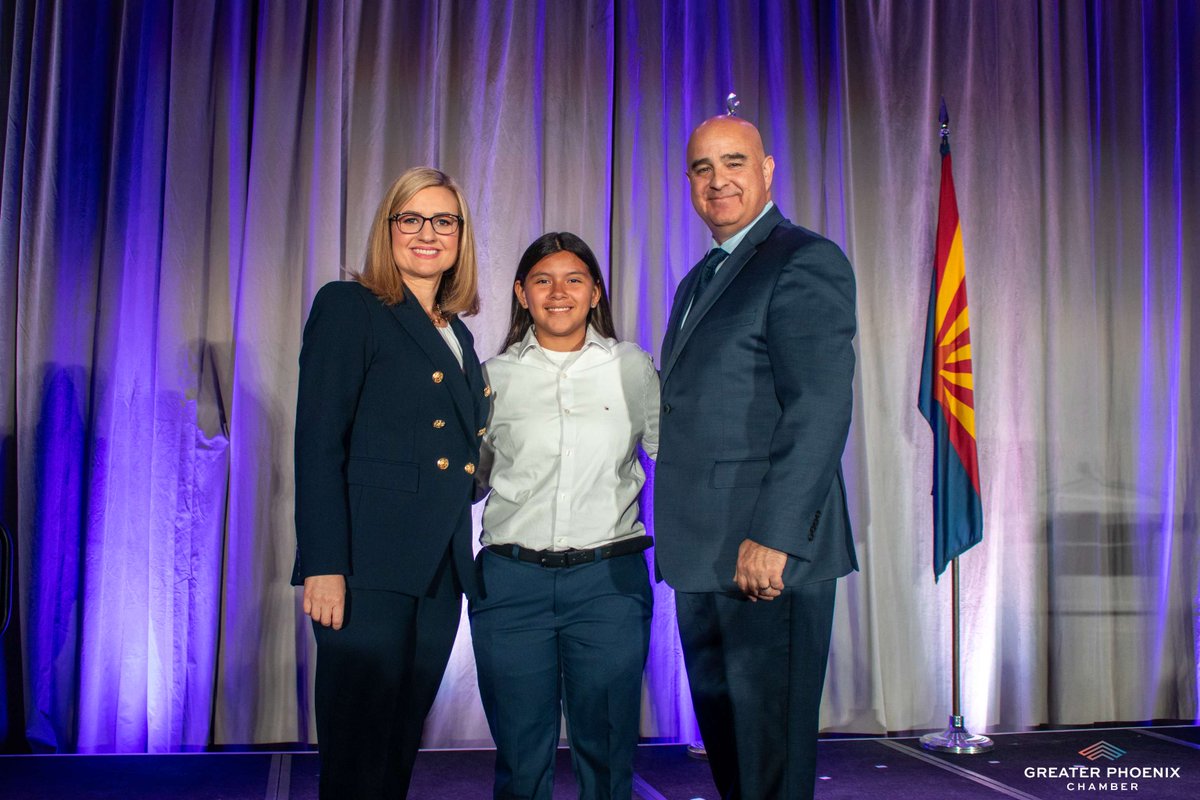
[391,410]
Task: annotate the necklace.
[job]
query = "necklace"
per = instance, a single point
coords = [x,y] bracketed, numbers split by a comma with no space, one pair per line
[436,317]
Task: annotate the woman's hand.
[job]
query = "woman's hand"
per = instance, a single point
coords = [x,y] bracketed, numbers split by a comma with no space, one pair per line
[325,599]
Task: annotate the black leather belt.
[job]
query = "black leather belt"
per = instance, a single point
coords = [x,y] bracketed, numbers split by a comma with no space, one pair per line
[555,559]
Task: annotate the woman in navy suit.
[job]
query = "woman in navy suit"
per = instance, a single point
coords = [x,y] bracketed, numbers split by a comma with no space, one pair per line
[391,409]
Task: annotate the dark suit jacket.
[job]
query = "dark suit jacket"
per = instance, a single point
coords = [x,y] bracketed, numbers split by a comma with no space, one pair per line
[387,427]
[756,400]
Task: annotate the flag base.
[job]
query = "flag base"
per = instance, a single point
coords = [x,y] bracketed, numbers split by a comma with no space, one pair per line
[956,739]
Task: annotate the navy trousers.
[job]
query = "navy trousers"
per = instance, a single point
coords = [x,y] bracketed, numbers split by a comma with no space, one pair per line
[756,672]
[376,681]
[567,641]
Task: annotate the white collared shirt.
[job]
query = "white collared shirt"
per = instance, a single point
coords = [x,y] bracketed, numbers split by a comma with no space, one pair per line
[560,453]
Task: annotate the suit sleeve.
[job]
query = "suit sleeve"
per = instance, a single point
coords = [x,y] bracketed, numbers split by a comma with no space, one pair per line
[334,359]
[810,332]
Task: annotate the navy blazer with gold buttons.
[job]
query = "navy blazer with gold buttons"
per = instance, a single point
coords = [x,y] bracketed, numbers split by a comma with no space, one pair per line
[387,438]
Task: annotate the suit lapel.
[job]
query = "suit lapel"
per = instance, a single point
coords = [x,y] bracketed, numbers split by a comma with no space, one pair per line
[686,287]
[414,321]
[725,275]
[473,374]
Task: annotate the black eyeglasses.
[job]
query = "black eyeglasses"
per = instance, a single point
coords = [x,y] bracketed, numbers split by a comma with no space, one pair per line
[442,224]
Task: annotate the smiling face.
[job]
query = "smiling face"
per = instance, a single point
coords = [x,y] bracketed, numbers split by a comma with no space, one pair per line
[559,292]
[423,256]
[729,174]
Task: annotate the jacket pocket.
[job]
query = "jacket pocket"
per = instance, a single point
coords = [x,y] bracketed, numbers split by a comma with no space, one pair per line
[734,321]
[400,476]
[733,474]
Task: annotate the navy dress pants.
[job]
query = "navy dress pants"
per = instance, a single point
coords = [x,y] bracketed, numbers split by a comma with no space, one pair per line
[376,681]
[567,641]
[756,672]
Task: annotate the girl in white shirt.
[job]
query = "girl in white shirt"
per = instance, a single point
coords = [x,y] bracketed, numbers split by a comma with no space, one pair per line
[562,620]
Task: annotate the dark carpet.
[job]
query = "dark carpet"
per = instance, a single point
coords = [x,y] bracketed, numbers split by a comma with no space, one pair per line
[1149,763]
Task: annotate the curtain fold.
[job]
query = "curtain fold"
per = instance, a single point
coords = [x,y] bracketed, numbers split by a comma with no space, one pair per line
[180,179]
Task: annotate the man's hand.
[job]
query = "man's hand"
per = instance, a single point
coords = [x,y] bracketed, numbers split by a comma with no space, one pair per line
[325,599]
[759,571]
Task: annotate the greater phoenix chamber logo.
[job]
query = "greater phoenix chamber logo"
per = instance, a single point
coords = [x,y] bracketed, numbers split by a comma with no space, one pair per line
[1102,750]
[1092,779]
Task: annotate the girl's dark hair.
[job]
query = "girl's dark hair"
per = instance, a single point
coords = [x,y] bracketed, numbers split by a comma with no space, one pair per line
[548,244]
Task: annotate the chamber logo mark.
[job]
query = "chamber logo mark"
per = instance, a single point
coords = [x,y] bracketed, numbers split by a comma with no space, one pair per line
[1102,750]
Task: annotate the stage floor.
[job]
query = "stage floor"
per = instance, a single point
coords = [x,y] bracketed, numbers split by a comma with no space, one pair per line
[1161,763]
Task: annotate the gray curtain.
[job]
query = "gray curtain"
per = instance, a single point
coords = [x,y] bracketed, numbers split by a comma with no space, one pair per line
[180,178]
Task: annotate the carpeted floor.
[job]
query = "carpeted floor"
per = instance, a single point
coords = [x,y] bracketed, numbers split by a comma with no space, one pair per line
[1149,763]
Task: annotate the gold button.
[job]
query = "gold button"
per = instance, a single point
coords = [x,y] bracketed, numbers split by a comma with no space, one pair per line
[439,423]
[487,391]
[469,468]
[437,376]
[443,463]
[481,432]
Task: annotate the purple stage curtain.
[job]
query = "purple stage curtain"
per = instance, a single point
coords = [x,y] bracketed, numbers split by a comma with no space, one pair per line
[179,178]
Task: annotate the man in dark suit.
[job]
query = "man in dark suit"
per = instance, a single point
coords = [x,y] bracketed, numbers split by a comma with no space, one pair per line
[750,509]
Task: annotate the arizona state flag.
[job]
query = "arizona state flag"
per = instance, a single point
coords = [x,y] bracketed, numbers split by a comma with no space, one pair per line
[947,396]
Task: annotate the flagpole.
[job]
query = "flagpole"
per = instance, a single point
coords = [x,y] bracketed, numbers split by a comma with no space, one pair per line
[955,656]
[955,738]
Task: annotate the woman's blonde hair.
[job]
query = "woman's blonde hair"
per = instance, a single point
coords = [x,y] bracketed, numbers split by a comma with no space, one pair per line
[458,292]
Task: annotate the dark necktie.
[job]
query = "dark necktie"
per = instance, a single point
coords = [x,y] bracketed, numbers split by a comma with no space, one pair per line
[707,270]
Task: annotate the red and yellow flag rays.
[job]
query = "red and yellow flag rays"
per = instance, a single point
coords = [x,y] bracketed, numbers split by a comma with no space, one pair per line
[954,388]
[947,394]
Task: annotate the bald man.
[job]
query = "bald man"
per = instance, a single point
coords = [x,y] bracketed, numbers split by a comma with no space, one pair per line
[749,504]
